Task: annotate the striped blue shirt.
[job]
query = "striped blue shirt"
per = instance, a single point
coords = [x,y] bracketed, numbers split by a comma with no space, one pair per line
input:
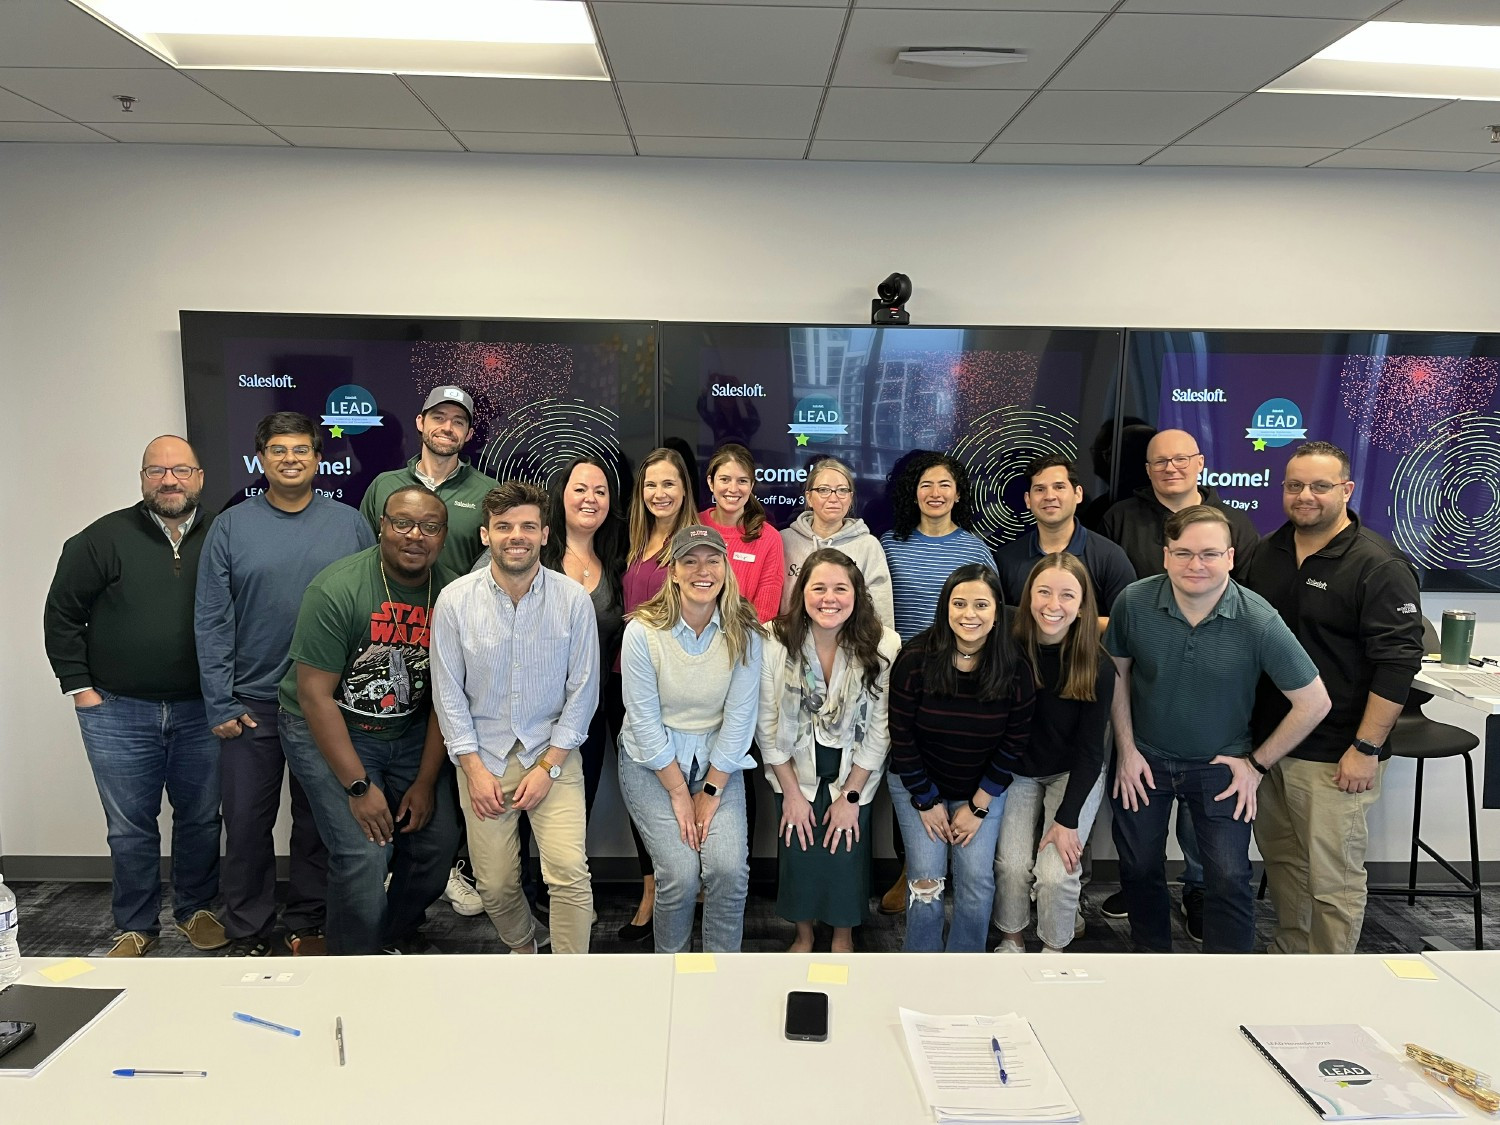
[505,672]
[920,565]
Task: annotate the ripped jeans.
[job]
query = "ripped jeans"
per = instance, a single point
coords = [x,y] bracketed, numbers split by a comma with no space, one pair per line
[973,883]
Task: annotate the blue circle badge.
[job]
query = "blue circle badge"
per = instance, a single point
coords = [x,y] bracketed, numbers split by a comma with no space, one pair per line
[350,410]
[1277,422]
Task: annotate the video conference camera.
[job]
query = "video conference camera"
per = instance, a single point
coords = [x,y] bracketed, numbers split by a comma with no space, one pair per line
[889,306]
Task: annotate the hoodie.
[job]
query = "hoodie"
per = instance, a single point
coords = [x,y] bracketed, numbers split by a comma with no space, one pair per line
[855,540]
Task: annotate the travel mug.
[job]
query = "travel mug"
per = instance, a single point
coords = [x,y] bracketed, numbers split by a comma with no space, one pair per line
[1458,637]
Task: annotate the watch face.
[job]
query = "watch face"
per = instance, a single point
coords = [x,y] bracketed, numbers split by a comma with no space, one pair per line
[852,796]
[359,788]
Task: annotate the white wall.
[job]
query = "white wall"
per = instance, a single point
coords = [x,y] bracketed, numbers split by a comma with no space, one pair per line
[100,246]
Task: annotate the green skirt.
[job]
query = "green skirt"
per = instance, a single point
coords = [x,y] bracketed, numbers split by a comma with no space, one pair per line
[818,885]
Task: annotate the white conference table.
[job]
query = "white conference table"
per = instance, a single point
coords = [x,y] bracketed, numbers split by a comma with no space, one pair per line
[1478,971]
[1489,797]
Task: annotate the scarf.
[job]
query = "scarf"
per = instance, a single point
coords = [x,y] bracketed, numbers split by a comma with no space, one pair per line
[812,711]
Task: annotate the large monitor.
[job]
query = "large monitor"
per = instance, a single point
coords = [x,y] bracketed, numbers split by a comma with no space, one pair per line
[995,397]
[544,391]
[1418,414]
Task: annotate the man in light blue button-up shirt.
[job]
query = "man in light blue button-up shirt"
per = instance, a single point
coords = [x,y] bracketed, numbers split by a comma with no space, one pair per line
[515,667]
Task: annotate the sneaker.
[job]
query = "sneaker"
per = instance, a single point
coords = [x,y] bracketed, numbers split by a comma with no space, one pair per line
[463,897]
[249,947]
[1114,906]
[1080,924]
[307,943]
[132,943]
[204,931]
[1008,946]
[1192,913]
[543,936]
[894,900]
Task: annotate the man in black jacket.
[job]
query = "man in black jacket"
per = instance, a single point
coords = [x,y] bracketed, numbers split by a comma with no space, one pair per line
[1351,598]
[118,626]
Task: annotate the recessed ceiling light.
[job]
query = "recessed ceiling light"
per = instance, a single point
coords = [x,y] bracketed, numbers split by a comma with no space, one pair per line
[1419,44]
[961,58]
[495,38]
[1411,60]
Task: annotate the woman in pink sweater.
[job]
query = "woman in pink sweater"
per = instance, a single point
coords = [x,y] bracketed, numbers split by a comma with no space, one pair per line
[755,553]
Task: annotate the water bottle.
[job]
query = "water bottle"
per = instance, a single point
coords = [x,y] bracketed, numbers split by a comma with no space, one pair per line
[10,949]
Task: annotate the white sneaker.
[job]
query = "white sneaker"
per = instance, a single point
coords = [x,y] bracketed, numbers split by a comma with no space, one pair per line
[464,898]
[1010,947]
[543,935]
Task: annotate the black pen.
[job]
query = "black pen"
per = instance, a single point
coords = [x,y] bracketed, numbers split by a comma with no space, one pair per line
[338,1033]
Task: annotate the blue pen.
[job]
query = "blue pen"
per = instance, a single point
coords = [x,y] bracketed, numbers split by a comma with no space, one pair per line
[999,1061]
[136,1072]
[258,1022]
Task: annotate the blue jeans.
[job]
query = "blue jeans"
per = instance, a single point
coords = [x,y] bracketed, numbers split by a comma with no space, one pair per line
[721,866]
[363,917]
[137,748]
[1223,843]
[1187,839]
[973,878]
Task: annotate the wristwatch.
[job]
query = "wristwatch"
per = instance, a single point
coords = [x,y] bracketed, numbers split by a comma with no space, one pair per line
[920,807]
[977,811]
[852,796]
[554,772]
[712,790]
[1364,746]
[358,788]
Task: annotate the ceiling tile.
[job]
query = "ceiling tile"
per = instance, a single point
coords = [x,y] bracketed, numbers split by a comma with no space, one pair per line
[1147,52]
[1459,127]
[1132,117]
[88,95]
[49,131]
[744,147]
[676,109]
[1241,156]
[1315,120]
[1327,9]
[1444,11]
[1414,161]
[925,152]
[434,140]
[1099,6]
[521,105]
[999,153]
[916,115]
[144,132]
[13,107]
[868,56]
[578,144]
[55,33]
[287,97]
[719,43]
[751,3]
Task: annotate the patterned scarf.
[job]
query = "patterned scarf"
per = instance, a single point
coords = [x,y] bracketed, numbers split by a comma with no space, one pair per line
[812,712]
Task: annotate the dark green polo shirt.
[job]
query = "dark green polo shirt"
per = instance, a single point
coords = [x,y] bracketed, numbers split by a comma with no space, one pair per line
[1192,687]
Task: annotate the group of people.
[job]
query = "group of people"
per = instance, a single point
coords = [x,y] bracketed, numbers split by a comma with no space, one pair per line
[444,671]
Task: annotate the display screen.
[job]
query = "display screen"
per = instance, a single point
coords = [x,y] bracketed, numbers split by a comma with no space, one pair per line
[1418,414]
[544,392]
[995,397]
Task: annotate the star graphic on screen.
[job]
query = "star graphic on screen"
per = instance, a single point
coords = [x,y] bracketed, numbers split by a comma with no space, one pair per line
[336,431]
[1260,444]
[801,439]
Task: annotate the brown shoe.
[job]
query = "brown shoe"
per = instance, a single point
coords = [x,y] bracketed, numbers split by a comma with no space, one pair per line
[132,943]
[307,943]
[894,900]
[204,931]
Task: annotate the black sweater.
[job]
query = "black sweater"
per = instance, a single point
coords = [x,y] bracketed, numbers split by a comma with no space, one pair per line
[1067,735]
[119,615]
[1138,524]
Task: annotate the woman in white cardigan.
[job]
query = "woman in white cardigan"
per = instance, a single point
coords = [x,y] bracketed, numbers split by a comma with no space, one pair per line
[822,732]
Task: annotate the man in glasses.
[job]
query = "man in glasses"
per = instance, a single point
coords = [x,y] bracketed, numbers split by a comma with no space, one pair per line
[357,726]
[1191,646]
[1173,466]
[1351,598]
[257,562]
[118,626]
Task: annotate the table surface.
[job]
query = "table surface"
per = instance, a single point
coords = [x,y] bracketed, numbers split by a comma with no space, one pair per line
[1479,972]
[1436,687]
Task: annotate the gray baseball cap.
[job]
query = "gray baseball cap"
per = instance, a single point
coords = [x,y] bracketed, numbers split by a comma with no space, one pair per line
[696,535]
[456,395]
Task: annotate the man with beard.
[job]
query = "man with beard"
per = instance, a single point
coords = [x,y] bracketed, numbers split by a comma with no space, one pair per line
[357,727]
[445,424]
[118,626]
[515,661]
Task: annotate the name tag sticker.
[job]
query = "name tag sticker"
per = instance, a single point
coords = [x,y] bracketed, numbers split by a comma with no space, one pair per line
[741,556]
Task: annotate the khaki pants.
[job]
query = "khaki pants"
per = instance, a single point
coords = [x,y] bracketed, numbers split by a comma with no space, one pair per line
[1313,838]
[559,826]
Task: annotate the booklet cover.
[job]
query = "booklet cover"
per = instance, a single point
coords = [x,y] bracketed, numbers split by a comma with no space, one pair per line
[1347,1072]
[61,1015]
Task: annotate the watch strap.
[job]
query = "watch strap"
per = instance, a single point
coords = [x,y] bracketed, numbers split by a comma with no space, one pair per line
[1260,769]
[1365,746]
[977,811]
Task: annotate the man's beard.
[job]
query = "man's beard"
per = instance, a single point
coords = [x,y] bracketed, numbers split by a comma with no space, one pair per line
[188,500]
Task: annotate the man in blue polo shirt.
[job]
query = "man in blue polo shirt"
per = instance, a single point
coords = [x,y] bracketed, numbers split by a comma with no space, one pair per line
[1190,646]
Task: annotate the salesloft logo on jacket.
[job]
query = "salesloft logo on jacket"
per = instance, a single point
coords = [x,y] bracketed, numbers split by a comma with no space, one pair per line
[1321,585]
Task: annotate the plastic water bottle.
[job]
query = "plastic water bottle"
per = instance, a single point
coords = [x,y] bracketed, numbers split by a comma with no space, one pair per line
[10,949]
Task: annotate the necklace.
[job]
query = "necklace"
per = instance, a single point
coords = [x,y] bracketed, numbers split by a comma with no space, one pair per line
[587,573]
[386,582]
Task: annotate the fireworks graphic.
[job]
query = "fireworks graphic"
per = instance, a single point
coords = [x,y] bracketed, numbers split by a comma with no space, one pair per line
[541,437]
[1397,400]
[1445,495]
[500,376]
[996,450]
[987,381]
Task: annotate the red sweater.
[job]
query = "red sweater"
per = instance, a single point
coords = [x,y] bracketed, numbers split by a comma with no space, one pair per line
[758,564]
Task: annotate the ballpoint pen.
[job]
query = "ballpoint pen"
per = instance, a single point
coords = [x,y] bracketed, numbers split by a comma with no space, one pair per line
[136,1072]
[244,1017]
[338,1033]
[999,1061]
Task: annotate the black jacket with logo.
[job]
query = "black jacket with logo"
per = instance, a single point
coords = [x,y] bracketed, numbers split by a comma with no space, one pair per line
[1138,524]
[1355,607]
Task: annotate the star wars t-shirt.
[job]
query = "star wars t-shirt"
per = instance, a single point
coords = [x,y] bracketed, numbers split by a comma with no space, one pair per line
[374,633]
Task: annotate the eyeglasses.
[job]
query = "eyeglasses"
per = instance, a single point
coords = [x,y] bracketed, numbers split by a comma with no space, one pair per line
[402,526]
[1318,487]
[1184,557]
[1181,461]
[843,491]
[289,451]
[181,472]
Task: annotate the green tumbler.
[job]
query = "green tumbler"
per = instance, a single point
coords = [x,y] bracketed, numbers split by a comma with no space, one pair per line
[1458,637]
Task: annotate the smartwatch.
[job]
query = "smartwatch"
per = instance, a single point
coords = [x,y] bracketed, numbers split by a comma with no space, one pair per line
[852,796]
[711,789]
[358,788]
[1364,746]
[554,772]
[920,807]
[977,811]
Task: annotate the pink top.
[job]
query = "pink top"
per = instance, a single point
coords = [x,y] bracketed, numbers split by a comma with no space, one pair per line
[641,581]
[759,566]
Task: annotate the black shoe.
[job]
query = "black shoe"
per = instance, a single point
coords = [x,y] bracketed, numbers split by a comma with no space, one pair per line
[249,947]
[631,932]
[1114,906]
[1192,912]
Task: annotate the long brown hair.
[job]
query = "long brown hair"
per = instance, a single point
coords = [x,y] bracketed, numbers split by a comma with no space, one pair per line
[737,616]
[860,634]
[1081,650]
[642,522]
[754,519]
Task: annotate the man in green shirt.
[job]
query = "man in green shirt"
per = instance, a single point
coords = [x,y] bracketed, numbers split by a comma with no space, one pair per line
[446,423]
[358,730]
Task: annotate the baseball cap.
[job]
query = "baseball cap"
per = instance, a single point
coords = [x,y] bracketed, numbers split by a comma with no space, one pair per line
[696,535]
[456,395]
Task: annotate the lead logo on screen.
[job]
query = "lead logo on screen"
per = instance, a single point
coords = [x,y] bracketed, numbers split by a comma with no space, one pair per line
[350,410]
[817,418]
[1276,422]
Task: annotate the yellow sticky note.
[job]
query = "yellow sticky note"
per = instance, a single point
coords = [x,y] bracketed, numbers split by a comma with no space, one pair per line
[67,970]
[696,963]
[1407,969]
[827,974]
